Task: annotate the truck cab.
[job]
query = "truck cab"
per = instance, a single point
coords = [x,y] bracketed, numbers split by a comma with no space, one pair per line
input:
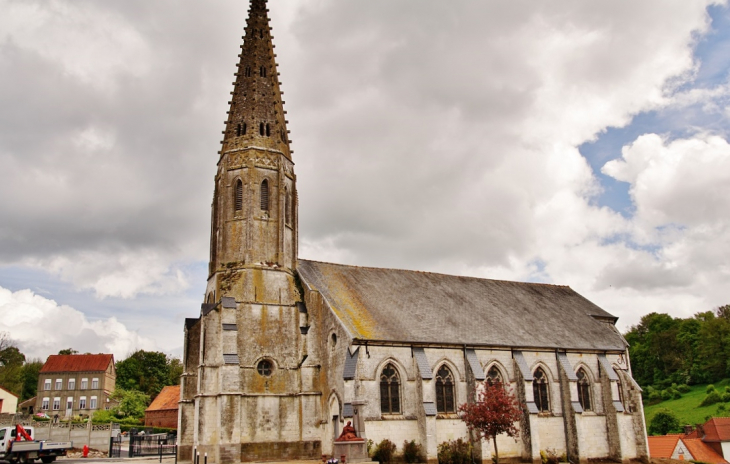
[8,435]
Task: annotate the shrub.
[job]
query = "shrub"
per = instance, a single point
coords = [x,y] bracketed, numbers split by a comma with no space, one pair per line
[655,396]
[711,398]
[721,409]
[663,422]
[454,452]
[385,451]
[550,456]
[684,388]
[676,395]
[710,389]
[370,447]
[666,395]
[413,452]
[725,397]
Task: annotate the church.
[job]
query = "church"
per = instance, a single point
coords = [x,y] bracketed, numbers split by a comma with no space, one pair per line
[285,351]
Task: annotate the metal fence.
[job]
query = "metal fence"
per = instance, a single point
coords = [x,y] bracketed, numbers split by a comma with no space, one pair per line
[115,446]
[152,445]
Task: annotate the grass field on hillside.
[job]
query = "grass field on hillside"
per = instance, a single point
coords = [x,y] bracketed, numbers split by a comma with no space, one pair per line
[687,408]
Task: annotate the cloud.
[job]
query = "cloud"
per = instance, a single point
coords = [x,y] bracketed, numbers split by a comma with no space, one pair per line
[427,135]
[41,326]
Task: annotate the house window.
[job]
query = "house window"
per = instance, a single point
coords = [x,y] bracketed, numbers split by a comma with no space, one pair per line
[540,390]
[238,200]
[82,402]
[94,384]
[59,384]
[444,390]
[72,384]
[70,402]
[45,403]
[584,390]
[389,390]
[265,195]
[92,403]
[47,385]
[56,404]
[494,376]
[84,384]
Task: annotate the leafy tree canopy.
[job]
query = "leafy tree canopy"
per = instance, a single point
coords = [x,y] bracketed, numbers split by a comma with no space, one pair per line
[663,422]
[68,351]
[148,372]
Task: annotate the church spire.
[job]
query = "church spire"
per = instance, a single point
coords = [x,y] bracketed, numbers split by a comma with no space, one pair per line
[256,115]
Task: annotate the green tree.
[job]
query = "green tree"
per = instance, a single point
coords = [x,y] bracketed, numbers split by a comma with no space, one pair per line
[148,372]
[663,422]
[68,351]
[11,364]
[132,403]
[29,375]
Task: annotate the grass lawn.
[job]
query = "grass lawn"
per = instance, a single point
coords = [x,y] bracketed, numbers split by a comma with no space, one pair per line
[687,408]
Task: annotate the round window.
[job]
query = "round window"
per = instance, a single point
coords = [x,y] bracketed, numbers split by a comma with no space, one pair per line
[264,368]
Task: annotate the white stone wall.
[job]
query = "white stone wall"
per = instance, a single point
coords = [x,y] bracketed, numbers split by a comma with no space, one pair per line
[592,441]
[626,434]
[396,431]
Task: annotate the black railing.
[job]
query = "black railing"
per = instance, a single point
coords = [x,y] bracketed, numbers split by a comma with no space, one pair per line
[115,446]
[152,445]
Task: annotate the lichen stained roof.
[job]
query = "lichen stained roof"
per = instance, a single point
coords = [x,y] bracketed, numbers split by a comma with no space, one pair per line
[166,400]
[423,307]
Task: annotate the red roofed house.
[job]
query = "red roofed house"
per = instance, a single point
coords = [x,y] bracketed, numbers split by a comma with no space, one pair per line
[683,448]
[717,435]
[75,384]
[163,410]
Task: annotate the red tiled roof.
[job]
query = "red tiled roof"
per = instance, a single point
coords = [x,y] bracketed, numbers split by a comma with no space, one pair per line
[167,399]
[702,452]
[662,446]
[717,429]
[77,363]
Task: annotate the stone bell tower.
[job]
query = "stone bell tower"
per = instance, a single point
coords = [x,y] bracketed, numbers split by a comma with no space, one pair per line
[247,393]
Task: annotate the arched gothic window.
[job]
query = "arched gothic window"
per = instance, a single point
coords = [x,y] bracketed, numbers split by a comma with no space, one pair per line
[444,390]
[621,398]
[540,390]
[584,389]
[265,195]
[389,390]
[238,198]
[494,376]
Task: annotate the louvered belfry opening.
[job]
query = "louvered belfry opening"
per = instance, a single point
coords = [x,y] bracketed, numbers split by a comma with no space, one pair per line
[265,195]
[238,199]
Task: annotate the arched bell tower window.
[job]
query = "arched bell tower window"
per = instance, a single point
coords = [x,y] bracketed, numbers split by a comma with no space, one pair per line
[540,390]
[444,390]
[494,376]
[262,71]
[389,390]
[247,71]
[584,389]
[238,196]
[261,128]
[265,195]
[268,130]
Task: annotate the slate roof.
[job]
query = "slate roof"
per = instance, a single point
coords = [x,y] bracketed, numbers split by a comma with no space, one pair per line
[166,400]
[421,307]
[662,446]
[77,363]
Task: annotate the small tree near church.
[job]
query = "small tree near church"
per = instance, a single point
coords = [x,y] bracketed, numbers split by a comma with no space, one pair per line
[495,412]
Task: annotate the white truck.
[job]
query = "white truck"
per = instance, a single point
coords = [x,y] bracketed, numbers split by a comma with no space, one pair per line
[17,445]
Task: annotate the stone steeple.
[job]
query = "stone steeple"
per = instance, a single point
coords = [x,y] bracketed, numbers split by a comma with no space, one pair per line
[256,115]
[254,220]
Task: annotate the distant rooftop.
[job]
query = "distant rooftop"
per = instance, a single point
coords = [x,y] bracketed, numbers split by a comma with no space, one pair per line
[77,363]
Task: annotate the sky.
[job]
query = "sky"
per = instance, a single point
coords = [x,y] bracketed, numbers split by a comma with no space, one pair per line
[567,142]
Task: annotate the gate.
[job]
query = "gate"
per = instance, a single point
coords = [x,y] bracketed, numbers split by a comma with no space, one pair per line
[152,445]
[115,446]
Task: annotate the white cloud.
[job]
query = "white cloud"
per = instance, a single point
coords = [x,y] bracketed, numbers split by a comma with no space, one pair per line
[41,327]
